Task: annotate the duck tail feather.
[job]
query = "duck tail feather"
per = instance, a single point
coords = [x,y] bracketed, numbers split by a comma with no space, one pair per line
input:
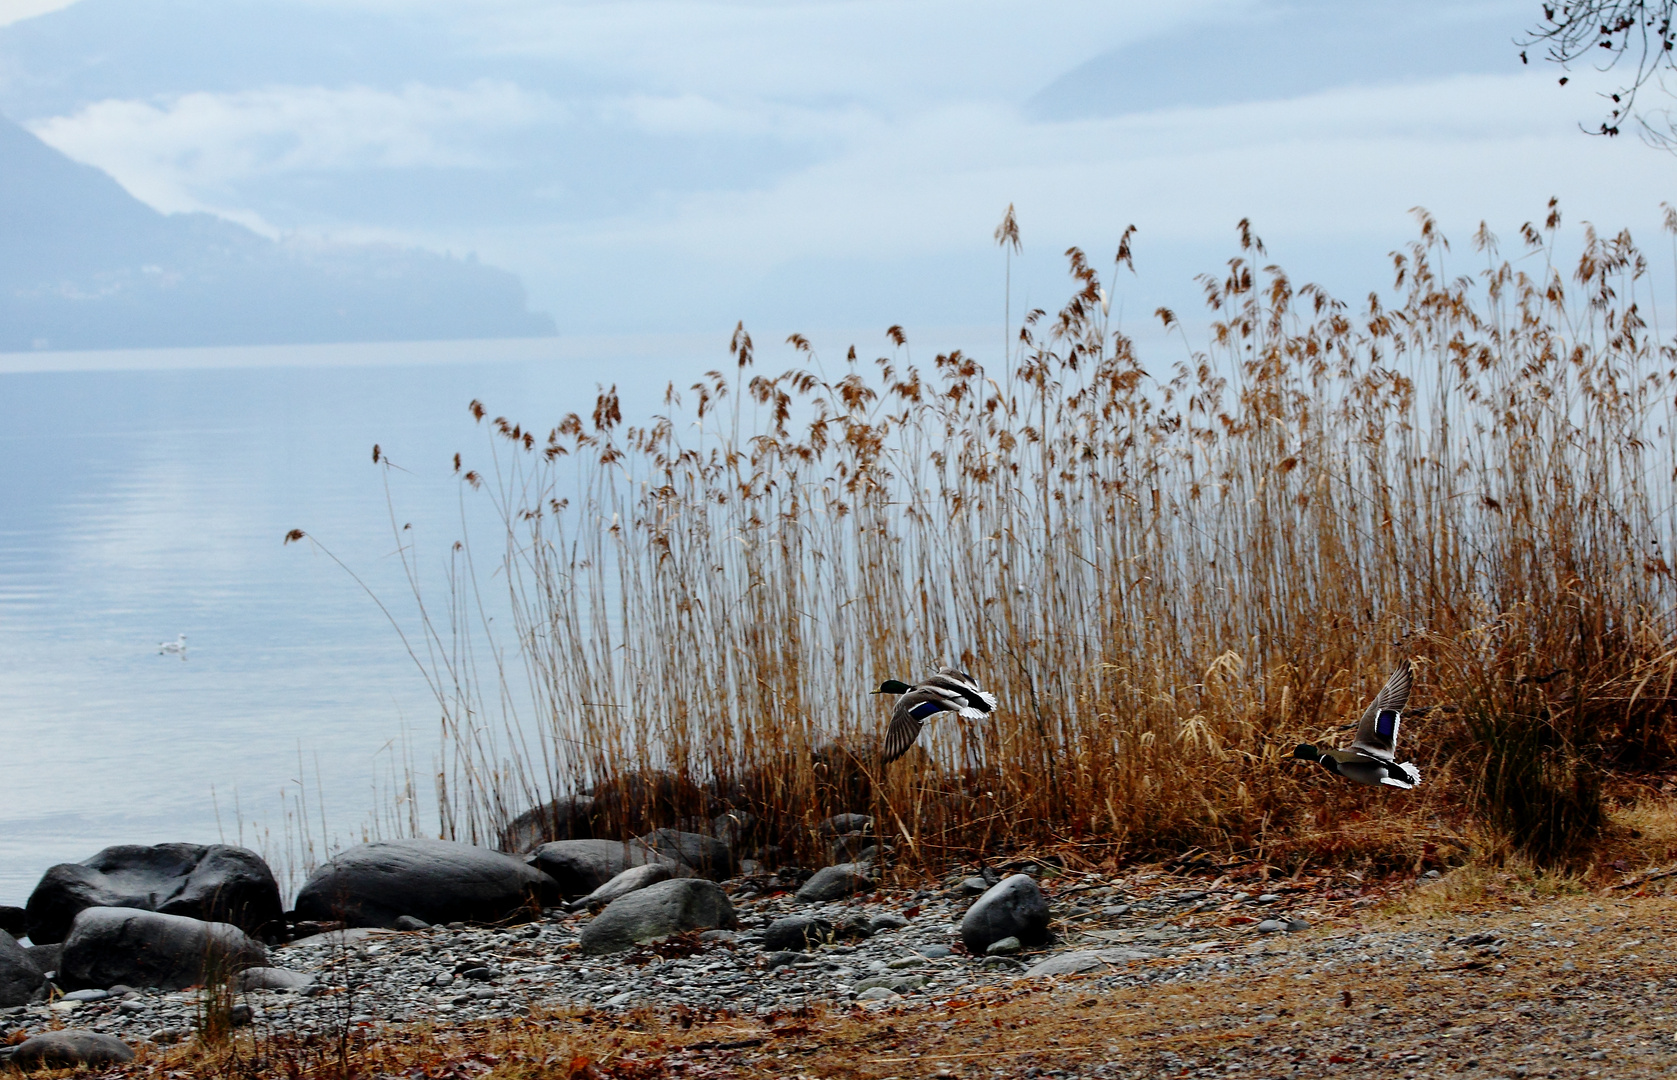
[1411,777]
[988,699]
[969,713]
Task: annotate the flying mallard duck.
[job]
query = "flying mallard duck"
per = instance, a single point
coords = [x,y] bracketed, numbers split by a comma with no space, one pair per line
[949,690]
[1369,759]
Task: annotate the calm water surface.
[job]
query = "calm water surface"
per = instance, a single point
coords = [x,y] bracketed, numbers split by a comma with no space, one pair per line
[149,501]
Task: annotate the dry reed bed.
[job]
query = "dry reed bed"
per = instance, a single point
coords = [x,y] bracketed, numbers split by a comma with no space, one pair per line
[1171,572]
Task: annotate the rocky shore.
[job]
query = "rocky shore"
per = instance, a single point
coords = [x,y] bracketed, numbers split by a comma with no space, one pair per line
[633,930]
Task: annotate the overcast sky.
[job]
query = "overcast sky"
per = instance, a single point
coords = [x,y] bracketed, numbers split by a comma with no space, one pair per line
[653,165]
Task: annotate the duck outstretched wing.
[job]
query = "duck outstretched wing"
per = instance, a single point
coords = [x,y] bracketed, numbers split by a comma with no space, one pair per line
[913,710]
[1377,732]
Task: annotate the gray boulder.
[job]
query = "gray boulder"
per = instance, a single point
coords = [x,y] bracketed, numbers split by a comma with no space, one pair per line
[569,817]
[69,1048]
[1074,963]
[837,882]
[840,824]
[658,911]
[273,978]
[630,880]
[108,946]
[213,882]
[20,980]
[581,866]
[1014,907]
[13,921]
[707,855]
[797,933]
[436,881]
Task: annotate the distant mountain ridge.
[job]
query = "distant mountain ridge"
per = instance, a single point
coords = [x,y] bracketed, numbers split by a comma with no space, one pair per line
[85,265]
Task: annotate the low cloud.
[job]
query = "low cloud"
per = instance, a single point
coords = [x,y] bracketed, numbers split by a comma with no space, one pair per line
[192,152]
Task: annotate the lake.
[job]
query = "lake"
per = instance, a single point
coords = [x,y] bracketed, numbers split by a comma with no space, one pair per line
[146,494]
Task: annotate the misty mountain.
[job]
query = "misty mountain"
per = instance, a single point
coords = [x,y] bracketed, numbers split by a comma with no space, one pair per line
[85,265]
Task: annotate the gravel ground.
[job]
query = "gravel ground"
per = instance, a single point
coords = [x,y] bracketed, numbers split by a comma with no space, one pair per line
[1159,975]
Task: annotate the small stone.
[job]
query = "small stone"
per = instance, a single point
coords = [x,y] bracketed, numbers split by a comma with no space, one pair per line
[87,995]
[1271,926]
[1430,874]
[479,973]
[1112,911]
[909,962]
[1240,897]
[241,1015]
[875,993]
[974,886]
[1001,963]
[1007,946]
[887,921]
[409,922]
[621,999]
[897,984]
[935,952]
[1295,925]
[132,1008]
[1268,898]
[727,937]
[781,959]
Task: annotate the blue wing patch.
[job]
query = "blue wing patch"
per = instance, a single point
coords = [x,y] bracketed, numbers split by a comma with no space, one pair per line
[925,709]
[1385,724]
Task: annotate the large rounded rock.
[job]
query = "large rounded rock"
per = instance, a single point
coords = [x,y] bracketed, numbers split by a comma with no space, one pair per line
[707,855]
[1013,907]
[13,921]
[569,817]
[631,880]
[213,882]
[836,882]
[656,912]
[797,933]
[436,881]
[69,1048]
[20,980]
[581,866]
[108,946]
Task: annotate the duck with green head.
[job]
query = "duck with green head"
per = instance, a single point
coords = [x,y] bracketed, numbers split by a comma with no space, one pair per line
[1370,760]
[948,691]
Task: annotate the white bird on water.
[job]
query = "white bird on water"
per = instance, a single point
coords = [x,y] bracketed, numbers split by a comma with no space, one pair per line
[173,648]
